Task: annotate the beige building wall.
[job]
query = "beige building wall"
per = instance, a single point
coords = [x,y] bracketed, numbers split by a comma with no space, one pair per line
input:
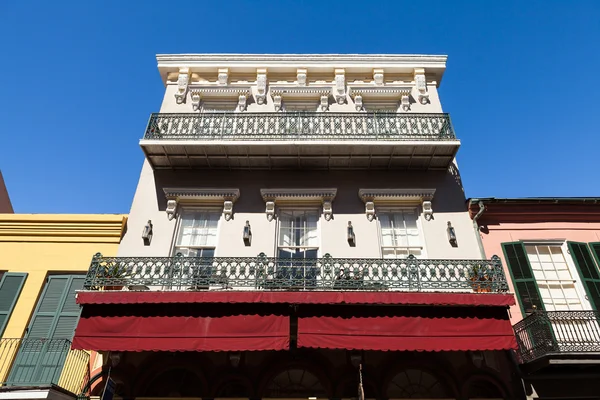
[448,205]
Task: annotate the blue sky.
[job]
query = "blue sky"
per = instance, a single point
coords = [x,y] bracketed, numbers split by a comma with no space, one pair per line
[79,81]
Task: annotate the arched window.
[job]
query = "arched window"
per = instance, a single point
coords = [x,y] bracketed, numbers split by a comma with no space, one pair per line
[294,382]
[415,384]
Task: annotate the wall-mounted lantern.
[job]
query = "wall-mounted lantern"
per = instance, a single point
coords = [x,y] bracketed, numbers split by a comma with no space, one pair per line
[351,235]
[451,234]
[147,233]
[247,234]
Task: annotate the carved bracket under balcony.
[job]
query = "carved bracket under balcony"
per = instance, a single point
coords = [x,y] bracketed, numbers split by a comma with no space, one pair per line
[261,86]
[182,85]
[299,197]
[421,85]
[396,197]
[281,93]
[201,196]
[301,76]
[339,90]
[235,94]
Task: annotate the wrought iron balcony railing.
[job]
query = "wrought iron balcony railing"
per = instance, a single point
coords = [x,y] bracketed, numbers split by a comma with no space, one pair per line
[558,332]
[300,126]
[43,363]
[266,273]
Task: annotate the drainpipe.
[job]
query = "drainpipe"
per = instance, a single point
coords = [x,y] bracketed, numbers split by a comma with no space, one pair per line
[476,227]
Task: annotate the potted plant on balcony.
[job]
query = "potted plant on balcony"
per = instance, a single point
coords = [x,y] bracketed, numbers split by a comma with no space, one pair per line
[481,282]
[115,274]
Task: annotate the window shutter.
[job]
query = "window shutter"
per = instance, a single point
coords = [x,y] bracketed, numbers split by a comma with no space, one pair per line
[587,270]
[522,276]
[595,246]
[10,288]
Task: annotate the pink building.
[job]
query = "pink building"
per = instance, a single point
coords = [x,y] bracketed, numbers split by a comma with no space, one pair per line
[550,249]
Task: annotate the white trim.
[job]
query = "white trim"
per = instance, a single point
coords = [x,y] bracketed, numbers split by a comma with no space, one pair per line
[418,213]
[374,198]
[192,208]
[300,208]
[300,197]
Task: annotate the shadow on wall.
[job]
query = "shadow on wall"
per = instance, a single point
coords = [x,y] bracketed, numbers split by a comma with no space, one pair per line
[449,195]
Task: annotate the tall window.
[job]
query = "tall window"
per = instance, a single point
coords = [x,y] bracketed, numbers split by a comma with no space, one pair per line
[400,235]
[298,236]
[197,236]
[554,277]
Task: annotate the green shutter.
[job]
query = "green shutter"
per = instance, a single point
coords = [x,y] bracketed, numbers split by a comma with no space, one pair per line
[55,318]
[595,246]
[523,279]
[587,270]
[10,288]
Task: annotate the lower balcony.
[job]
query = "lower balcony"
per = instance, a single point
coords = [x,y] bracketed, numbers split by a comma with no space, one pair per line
[290,140]
[564,335]
[324,274]
[35,368]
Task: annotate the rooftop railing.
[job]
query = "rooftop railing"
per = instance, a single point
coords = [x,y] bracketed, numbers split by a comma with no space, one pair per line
[545,333]
[321,274]
[40,363]
[298,126]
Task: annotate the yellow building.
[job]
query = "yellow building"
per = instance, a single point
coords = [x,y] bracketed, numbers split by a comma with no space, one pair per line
[43,262]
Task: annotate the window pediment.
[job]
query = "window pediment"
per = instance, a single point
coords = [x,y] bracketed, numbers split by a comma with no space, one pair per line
[322,197]
[224,196]
[371,197]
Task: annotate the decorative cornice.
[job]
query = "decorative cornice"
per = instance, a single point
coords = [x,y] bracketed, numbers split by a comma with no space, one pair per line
[300,91]
[303,58]
[373,92]
[64,228]
[220,91]
[298,194]
[396,195]
[320,196]
[202,195]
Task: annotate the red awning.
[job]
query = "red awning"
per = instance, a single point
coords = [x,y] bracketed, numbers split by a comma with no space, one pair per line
[412,298]
[414,331]
[181,332]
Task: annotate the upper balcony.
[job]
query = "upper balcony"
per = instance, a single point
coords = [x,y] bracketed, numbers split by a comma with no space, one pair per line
[289,140]
[558,337]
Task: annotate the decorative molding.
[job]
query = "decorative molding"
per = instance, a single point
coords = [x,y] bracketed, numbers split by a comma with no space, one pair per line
[242,102]
[182,85]
[323,197]
[324,102]
[223,76]
[225,196]
[277,101]
[396,196]
[379,92]
[261,86]
[196,96]
[340,86]
[378,77]
[358,102]
[282,92]
[301,76]
[405,101]
[232,93]
[421,85]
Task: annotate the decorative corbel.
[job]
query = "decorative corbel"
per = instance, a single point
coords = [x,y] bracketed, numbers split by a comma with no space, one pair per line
[301,76]
[182,85]
[405,101]
[370,210]
[378,77]
[276,100]
[270,210]
[171,209]
[261,86]
[228,209]
[242,101]
[427,210]
[223,76]
[421,84]
[327,210]
[195,100]
[324,102]
[340,86]
[358,102]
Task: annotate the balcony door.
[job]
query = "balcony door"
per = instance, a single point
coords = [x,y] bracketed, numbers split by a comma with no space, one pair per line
[44,348]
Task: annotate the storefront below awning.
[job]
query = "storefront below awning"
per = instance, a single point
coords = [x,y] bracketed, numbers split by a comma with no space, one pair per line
[408,329]
[182,328]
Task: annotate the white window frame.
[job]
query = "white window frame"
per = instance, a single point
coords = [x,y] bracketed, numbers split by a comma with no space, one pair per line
[317,210]
[578,284]
[418,212]
[187,209]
